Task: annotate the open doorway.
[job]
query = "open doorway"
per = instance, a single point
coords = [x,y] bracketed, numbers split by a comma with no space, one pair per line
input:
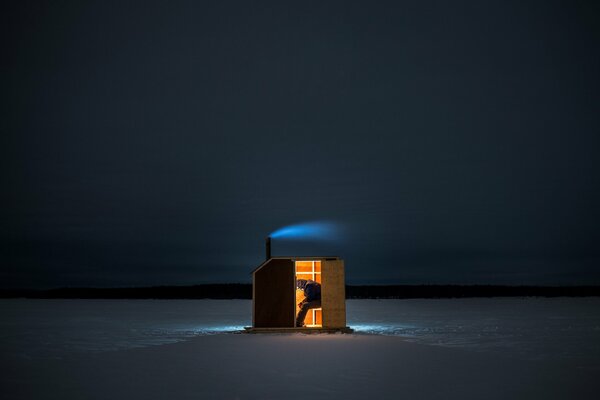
[309,270]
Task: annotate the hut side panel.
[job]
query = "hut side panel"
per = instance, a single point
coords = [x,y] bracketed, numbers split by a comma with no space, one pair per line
[333,294]
[274,295]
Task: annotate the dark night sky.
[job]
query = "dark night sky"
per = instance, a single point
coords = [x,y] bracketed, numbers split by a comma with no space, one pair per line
[454,142]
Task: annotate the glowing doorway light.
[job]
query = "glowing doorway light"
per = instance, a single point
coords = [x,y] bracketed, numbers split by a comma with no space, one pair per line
[309,230]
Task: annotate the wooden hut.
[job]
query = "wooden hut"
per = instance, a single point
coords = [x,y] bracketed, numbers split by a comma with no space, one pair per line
[275,298]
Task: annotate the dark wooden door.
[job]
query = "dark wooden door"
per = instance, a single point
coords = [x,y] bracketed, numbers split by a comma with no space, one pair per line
[274,295]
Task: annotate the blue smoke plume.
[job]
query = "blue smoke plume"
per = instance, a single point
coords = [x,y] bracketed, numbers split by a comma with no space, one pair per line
[308,230]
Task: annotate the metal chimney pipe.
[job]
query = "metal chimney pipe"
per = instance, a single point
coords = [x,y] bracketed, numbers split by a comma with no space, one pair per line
[268,246]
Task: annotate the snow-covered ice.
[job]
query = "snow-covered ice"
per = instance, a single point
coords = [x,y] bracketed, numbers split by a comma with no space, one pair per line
[457,348]
[531,328]
[56,327]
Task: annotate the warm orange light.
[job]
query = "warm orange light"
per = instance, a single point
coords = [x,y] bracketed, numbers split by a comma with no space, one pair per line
[309,270]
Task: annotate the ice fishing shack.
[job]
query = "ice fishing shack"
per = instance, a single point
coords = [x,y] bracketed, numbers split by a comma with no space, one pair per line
[275,296]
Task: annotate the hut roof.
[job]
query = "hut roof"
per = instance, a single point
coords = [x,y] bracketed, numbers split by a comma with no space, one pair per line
[295,258]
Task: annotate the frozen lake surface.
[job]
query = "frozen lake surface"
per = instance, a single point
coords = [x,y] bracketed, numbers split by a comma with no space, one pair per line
[527,328]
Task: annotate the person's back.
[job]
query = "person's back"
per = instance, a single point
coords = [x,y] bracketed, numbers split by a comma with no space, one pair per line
[312,290]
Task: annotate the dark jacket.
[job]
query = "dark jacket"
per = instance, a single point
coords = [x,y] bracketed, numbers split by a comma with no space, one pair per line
[312,289]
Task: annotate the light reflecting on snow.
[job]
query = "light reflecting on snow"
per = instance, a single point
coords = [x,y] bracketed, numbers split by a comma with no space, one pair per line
[530,328]
[388,330]
[213,330]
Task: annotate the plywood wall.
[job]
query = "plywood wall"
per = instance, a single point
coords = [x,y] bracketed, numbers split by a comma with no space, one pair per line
[333,294]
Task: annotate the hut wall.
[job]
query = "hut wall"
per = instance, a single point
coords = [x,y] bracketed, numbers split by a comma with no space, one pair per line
[333,294]
[273,295]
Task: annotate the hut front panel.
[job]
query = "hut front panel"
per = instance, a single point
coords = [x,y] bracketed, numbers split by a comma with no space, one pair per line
[333,294]
[273,301]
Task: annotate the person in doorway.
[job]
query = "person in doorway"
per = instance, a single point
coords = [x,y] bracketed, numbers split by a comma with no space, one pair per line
[312,298]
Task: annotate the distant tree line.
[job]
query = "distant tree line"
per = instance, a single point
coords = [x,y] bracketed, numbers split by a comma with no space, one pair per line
[212,291]
[244,291]
[463,291]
